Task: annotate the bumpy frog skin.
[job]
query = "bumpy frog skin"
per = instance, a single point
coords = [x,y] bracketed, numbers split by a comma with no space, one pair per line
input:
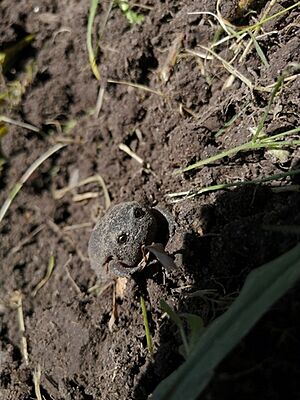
[115,246]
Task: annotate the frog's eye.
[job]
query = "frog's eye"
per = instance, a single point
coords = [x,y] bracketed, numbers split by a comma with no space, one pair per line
[138,212]
[122,239]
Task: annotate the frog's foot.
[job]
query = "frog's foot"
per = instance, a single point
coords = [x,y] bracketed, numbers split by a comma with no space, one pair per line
[121,269]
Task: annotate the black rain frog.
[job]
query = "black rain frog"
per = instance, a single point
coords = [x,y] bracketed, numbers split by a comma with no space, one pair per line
[118,242]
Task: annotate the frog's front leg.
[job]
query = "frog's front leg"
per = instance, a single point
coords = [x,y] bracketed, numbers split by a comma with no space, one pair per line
[116,267]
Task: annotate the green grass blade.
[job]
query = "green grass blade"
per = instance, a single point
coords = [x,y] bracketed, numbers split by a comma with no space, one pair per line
[280,135]
[175,318]
[212,159]
[92,58]
[196,328]
[259,51]
[146,325]
[270,18]
[249,146]
[263,287]
[268,108]
[223,186]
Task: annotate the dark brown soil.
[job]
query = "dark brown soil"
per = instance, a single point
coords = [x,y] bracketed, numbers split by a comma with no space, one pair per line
[220,236]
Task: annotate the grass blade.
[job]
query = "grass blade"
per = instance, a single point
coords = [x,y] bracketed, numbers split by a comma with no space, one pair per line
[92,58]
[137,86]
[230,68]
[175,318]
[227,27]
[18,186]
[263,287]
[187,194]
[281,135]
[146,325]
[268,108]
[270,18]
[21,124]
[249,146]
[51,265]
[259,50]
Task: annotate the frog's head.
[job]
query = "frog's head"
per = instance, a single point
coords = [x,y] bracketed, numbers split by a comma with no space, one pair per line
[115,245]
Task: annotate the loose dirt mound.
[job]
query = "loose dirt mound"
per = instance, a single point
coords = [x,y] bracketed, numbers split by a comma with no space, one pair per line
[220,235]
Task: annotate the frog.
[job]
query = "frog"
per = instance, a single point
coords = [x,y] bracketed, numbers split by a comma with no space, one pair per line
[122,237]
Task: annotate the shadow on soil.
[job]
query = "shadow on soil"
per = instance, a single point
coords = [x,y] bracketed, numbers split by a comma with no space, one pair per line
[236,237]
